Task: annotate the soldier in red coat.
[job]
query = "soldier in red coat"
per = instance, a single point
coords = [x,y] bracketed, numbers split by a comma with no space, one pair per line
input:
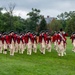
[48,42]
[28,36]
[4,40]
[34,41]
[21,45]
[62,43]
[23,41]
[73,40]
[7,40]
[29,41]
[15,42]
[42,36]
[72,37]
[12,43]
[18,41]
[42,41]
[45,36]
[54,40]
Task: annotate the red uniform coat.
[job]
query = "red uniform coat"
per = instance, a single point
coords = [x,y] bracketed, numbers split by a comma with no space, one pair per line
[23,39]
[3,39]
[11,37]
[18,39]
[72,37]
[7,39]
[44,36]
[34,39]
[14,37]
[48,39]
[27,36]
[61,37]
[40,38]
[54,38]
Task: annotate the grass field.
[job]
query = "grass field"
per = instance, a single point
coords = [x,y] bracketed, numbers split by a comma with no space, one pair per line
[38,64]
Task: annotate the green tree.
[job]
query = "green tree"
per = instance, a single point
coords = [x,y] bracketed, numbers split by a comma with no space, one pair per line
[70,27]
[43,24]
[55,25]
[33,19]
[18,23]
[62,17]
[10,10]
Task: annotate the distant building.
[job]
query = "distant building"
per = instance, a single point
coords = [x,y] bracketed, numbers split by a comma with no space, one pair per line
[48,19]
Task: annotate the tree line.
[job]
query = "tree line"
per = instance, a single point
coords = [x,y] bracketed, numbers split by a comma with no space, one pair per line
[36,22]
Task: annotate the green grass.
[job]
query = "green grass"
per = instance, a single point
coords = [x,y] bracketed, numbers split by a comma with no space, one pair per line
[38,64]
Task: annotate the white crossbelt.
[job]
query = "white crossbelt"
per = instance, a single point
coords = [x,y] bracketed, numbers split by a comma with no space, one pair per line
[62,37]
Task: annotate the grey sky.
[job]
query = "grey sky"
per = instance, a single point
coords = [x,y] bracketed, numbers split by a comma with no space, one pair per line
[47,7]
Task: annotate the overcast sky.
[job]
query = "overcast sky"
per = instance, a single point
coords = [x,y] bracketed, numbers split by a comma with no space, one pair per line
[47,7]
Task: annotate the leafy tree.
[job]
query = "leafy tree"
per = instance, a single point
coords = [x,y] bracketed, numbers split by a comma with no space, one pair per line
[43,24]
[33,19]
[10,10]
[55,25]
[70,28]
[62,17]
[18,23]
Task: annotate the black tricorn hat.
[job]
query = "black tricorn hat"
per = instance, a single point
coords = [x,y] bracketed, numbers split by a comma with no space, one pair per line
[4,33]
[73,33]
[15,32]
[28,31]
[61,29]
[58,32]
[0,32]
[11,31]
